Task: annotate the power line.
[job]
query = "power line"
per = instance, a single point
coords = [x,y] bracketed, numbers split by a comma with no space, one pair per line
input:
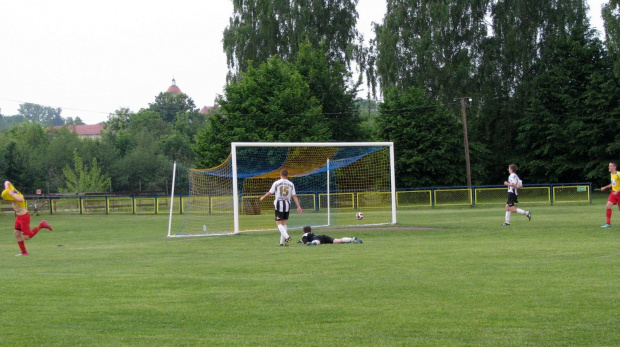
[63,108]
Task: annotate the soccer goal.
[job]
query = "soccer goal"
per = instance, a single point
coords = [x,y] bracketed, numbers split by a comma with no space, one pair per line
[333,182]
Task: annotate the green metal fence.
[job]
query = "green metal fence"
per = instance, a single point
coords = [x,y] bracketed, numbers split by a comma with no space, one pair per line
[405,198]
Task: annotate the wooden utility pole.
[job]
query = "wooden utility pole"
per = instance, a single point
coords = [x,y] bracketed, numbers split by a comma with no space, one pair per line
[466,140]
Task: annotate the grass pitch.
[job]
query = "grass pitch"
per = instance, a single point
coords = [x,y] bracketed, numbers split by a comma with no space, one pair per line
[116,280]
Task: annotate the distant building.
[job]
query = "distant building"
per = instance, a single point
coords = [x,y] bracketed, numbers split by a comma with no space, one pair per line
[85,131]
[207,109]
[175,90]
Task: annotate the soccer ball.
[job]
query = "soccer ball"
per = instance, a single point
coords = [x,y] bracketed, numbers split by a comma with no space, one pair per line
[359,215]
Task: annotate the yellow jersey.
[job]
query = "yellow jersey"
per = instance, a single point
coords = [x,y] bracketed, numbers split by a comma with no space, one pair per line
[615,181]
[6,195]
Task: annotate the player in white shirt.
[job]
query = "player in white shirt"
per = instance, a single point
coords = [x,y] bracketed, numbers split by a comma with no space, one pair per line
[284,191]
[514,183]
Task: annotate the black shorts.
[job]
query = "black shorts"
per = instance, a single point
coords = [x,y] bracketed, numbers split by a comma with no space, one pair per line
[281,216]
[323,239]
[512,199]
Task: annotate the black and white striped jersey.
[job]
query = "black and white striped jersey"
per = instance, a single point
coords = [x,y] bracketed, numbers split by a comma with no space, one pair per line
[283,190]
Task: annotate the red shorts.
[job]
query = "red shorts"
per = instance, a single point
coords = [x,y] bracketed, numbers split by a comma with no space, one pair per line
[614,199]
[22,223]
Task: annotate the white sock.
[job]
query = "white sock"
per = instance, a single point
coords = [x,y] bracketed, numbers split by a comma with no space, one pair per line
[281,239]
[347,240]
[283,232]
[520,211]
[508,217]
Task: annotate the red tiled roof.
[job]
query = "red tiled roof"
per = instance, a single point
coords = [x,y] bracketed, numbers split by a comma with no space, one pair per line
[84,130]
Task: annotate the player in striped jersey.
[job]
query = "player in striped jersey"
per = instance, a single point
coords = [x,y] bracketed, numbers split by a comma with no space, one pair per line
[284,191]
[514,183]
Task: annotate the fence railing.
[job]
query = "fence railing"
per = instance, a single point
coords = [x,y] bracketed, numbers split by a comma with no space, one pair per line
[405,198]
[494,195]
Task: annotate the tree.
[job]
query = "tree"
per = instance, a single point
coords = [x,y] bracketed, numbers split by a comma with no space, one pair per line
[611,17]
[432,45]
[31,141]
[84,179]
[426,136]
[59,153]
[169,106]
[327,82]
[14,166]
[173,138]
[72,121]
[519,31]
[260,29]
[117,121]
[6,122]
[41,114]
[268,103]
[141,167]
[570,103]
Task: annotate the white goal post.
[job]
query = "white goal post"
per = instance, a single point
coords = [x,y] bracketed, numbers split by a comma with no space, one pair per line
[333,181]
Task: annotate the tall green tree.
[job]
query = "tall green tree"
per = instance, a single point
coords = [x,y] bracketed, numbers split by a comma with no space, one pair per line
[260,29]
[328,83]
[266,104]
[611,18]
[519,31]
[569,125]
[428,141]
[432,45]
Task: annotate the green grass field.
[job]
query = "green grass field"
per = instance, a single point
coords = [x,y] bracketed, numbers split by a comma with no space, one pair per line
[118,281]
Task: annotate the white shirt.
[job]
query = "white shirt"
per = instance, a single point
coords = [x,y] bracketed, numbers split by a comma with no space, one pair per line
[514,179]
[283,189]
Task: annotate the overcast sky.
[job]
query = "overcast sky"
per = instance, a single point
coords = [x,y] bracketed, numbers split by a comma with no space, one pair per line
[91,58]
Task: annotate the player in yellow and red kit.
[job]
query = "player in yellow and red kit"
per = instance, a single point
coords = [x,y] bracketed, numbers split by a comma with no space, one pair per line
[22,217]
[614,196]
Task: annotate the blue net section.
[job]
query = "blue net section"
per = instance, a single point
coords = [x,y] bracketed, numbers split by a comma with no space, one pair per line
[261,161]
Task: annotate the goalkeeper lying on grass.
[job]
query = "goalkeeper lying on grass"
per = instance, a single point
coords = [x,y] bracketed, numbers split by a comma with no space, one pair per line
[311,239]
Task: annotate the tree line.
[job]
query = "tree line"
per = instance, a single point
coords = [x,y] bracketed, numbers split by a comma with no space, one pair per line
[544,91]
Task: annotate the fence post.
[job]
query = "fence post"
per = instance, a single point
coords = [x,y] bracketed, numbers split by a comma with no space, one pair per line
[552,194]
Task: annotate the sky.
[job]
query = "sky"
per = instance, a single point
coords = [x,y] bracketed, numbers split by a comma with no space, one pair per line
[91,58]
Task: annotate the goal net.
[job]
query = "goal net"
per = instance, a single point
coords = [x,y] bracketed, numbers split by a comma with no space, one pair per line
[333,182]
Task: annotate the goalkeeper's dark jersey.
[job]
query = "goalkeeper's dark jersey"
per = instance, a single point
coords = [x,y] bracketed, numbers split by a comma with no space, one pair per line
[309,237]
